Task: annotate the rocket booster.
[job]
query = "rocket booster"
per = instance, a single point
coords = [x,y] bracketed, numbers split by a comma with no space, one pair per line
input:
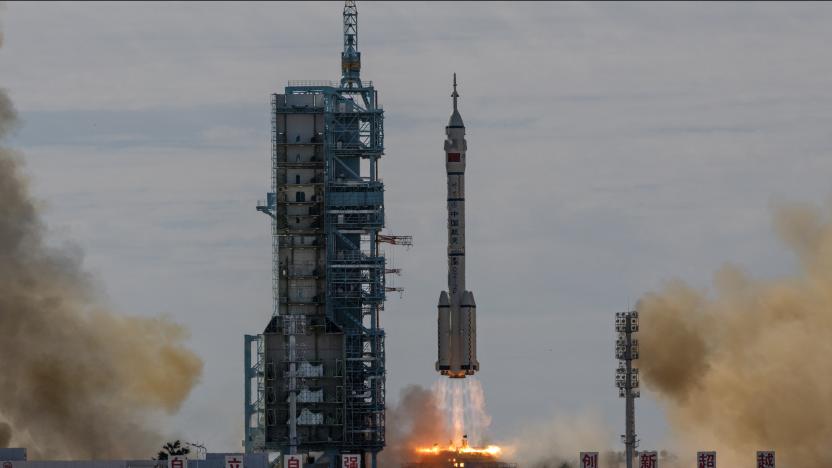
[457,323]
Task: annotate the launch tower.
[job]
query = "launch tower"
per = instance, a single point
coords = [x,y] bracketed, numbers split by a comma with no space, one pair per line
[315,377]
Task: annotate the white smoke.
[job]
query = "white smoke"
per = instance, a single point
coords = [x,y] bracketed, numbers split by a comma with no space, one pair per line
[463,402]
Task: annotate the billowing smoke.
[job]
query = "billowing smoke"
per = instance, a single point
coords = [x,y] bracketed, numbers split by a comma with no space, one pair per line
[417,421]
[441,415]
[454,407]
[76,379]
[556,442]
[5,435]
[748,367]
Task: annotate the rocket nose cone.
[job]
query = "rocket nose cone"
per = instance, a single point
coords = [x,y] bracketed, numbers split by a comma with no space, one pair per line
[443,299]
[455,120]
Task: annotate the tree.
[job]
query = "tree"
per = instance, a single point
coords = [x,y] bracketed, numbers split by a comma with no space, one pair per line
[171,449]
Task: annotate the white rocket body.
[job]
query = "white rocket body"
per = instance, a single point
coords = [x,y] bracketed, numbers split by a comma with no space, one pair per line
[457,323]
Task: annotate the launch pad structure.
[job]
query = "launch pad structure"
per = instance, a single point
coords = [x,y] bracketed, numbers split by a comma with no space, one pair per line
[456,460]
[315,377]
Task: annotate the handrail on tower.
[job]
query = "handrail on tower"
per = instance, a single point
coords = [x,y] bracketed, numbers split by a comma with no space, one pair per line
[395,240]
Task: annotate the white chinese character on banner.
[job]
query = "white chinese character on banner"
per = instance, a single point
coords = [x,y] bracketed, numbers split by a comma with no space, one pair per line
[706,459]
[349,460]
[765,459]
[589,460]
[648,460]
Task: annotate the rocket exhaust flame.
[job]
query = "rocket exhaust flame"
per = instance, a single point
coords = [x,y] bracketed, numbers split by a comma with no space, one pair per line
[78,381]
[463,404]
[488,451]
[425,420]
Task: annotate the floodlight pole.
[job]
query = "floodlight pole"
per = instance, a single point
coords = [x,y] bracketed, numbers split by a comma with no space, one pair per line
[626,379]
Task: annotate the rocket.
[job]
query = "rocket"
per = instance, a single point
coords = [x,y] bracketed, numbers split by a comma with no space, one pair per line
[457,322]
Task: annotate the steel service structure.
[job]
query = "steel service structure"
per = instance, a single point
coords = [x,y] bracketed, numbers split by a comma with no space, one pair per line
[315,377]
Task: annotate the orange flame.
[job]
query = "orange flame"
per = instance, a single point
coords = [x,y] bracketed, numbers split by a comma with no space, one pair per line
[491,450]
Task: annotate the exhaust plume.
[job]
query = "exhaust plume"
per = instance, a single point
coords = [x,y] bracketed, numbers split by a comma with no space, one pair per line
[748,368]
[77,380]
[462,401]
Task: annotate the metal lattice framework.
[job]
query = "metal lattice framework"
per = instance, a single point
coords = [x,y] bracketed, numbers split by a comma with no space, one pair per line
[255,408]
[350,57]
[626,376]
[355,266]
[338,216]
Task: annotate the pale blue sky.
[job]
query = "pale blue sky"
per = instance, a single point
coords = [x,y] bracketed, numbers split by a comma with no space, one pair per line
[611,147]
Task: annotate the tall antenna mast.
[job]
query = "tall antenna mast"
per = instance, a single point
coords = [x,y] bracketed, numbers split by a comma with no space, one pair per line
[350,57]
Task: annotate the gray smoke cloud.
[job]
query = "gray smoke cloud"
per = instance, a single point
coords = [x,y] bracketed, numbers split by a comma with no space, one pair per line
[556,441]
[421,419]
[78,380]
[417,421]
[748,367]
[5,435]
